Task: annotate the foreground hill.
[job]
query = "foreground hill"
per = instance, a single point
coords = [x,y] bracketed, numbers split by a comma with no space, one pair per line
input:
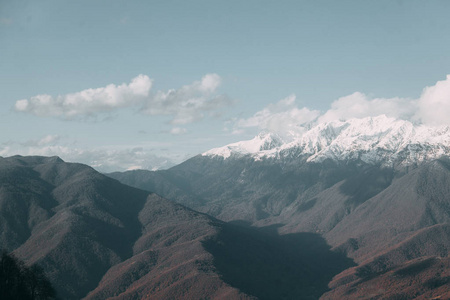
[99,239]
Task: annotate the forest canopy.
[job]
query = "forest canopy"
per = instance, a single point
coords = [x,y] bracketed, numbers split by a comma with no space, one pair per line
[18,281]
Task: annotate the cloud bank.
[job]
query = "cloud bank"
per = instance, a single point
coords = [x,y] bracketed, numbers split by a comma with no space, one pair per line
[190,102]
[44,141]
[88,102]
[283,117]
[359,105]
[434,104]
[187,104]
[104,159]
[286,118]
[193,102]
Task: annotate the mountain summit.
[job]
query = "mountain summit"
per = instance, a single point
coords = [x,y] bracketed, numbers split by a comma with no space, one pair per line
[372,140]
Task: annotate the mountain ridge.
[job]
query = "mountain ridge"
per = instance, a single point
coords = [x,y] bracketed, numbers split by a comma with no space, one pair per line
[373,140]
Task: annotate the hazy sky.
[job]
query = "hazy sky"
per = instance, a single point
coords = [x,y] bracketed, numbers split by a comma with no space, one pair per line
[123,84]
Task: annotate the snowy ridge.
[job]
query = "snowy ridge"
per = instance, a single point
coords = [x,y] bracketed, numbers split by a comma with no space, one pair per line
[372,140]
[260,144]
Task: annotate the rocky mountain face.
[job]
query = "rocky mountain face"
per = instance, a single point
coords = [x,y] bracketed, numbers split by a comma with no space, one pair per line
[377,189]
[96,238]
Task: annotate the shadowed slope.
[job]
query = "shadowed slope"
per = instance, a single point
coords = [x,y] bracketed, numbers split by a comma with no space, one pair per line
[168,259]
[269,266]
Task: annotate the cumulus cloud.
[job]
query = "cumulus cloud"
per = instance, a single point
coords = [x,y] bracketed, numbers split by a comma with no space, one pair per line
[190,102]
[358,105]
[288,120]
[209,83]
[431,108]
[434,104]
[88,102]
[185,105]
[283,117]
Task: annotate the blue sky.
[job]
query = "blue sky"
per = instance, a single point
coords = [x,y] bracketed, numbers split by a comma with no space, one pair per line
[207,73]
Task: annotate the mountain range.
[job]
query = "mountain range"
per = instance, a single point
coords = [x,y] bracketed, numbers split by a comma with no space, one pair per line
[377,189]
[374,140]
[96,238]
[340,210]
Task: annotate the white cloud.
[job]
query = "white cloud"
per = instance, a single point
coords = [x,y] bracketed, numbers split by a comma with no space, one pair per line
[178,131]
[434,104]
[46,140]
[283,117]
[21,105]
[358,105]
[288,120]
[190,102]
[432,107]
[5,151]
[88,102]
[110,160]
[185,105]
[209,83]
[237,131]
[104,159]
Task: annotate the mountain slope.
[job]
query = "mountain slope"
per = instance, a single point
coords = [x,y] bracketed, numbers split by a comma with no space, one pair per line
[168,259]
[257,179]
[87,222]
[73,221]
[417,200]
[96,239]
[241,189]
[369,207]
[418,267]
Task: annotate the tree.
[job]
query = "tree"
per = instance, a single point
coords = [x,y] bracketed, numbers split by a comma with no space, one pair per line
[20,282]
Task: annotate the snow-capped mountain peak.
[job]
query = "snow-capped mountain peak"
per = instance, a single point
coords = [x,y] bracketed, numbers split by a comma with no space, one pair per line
[263,142]
[372,139]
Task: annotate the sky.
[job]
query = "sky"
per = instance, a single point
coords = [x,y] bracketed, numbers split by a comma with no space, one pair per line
[146,84]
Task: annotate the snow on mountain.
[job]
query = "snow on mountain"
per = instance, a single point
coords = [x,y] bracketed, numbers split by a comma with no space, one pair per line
[372,140]
[262,143]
